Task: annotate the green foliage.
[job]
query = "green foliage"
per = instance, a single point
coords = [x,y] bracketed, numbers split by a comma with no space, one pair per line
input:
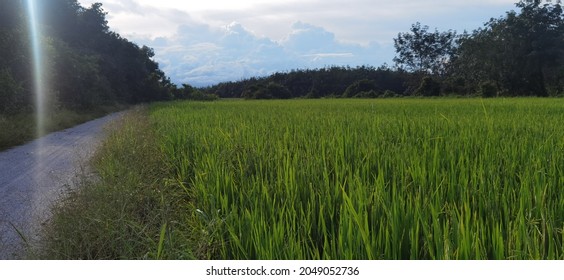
[10,14]
[86,64]
[14,68]
[334,179]
[387,179]
[318,83]
[329,179]
[488,89]
[368,94]
[258,91]
[278,91]
[201,96]
[362,88]
[17,128]
[522,52]
[78,80]
[270,91]
[428,87]
[457,85]
[423,51]
[10,92]
[389,93]
[128,212]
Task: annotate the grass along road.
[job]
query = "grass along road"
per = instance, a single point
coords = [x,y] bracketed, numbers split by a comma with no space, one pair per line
[17,129]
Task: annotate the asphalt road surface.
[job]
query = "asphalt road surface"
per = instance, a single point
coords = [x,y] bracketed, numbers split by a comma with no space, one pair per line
[33,177]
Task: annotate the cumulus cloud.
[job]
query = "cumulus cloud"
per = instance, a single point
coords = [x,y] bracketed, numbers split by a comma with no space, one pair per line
[360,21]
[200,55]
[216,40]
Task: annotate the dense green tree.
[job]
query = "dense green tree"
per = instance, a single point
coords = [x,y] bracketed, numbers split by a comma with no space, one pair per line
[522,53]
[428,87]
[77,79]
[10,14]
[425,52]
[488,89]
[314,83]
[59,18]
[10,92]
[188,92]
[86,66]
[256,91]
[268,91]
[278,91]
[14,60]
[362,88]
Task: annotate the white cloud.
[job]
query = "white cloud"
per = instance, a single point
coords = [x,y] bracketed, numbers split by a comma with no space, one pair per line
[359,21]
[204,42]
[201,55]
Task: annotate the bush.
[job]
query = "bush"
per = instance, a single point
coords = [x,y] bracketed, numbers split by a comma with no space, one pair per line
[270,91]
[277,90]
[388,94]
[360,88]
[428,87]
[367,94]
[488,89]
[201,96]
[10,92]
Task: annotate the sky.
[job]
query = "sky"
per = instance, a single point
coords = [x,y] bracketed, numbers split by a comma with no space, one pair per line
[205,42]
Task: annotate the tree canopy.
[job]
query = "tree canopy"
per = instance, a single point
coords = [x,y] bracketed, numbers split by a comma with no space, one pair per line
[520,53]
[88,65]
[423,51]
[362,81]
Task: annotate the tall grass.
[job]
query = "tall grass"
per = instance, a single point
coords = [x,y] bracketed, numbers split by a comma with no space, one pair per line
[127,211]
[19,128]
[325,179]
[364,179]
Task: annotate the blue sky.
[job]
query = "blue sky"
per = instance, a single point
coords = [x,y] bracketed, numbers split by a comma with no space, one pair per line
[209,41]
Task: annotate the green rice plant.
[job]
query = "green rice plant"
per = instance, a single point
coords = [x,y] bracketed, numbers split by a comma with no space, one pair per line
[333,179]
[371,179]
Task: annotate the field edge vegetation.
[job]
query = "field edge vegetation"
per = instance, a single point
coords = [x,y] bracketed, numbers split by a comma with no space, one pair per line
[128,211]
[324,179]
[17,129]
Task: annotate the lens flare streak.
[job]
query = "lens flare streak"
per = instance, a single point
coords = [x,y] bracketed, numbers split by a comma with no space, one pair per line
[38,62]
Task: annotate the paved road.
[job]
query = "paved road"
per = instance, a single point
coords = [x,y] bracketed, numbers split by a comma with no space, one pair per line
[34,176]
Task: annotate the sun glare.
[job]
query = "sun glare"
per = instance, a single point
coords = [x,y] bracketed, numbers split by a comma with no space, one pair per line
[38,73]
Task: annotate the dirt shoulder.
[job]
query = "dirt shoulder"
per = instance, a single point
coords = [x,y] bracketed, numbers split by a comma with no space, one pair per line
[34,176]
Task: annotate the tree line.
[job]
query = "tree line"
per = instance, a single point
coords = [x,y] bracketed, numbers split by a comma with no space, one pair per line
[315,83]
[87,65]
[518,54]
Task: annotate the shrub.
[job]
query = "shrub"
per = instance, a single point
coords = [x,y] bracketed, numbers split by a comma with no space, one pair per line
[360,87]
[10,91]
[488,89]
[270,91]
[389,93]
[428,87]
